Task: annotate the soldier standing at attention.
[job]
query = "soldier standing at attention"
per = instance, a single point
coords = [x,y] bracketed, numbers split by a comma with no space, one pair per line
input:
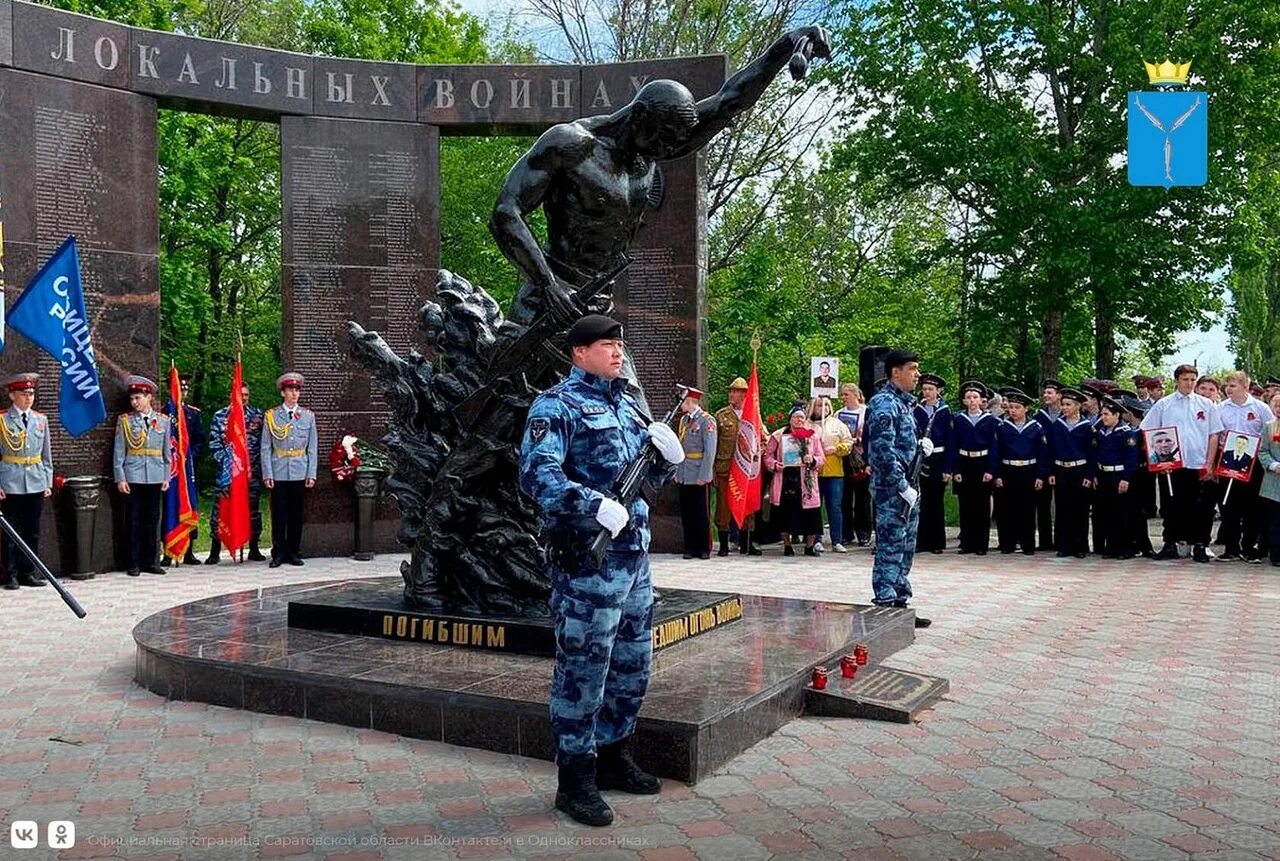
[289,461]
[143,464]
[195,445]
[933,420]
[26,478]
[580,434]
[728,419]
[892,448]
[253,420]
[697,433]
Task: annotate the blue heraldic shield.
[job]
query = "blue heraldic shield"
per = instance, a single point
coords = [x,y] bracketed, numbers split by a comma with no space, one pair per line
[1168,138]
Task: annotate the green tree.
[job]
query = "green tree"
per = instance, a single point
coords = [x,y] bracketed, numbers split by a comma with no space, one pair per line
[1015,112]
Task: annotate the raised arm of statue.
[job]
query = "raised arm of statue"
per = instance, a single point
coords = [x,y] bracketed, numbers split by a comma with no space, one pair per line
[746,86]
[523,191]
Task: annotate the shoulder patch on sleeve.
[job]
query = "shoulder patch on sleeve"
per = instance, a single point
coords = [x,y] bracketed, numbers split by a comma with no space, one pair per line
[538,429]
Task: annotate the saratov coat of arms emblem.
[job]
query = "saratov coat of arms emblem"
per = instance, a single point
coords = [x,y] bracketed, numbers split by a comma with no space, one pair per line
[1168,130]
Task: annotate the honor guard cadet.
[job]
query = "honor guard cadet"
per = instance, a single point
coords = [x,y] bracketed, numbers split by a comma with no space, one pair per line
[1071,445]
[142,463]
[580,435]
[1117,452]
[893,451]
[289,462]
[697,433]
[933,420]
[1139,535]
[221,451]
[973,460]
[728,420]
[1050,409]
[26,478]
[195,446]
[1024,465]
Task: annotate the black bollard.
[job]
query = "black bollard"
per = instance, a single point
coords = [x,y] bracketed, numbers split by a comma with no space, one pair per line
[368,486]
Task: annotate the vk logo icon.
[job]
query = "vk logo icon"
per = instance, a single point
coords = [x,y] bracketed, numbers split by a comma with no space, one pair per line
[24,835]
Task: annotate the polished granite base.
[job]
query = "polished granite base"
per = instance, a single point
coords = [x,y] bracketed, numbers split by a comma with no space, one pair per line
[710,697]
[369,609]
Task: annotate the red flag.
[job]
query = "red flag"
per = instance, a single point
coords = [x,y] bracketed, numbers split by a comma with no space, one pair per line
[180,517]
[233,508]
[744,472]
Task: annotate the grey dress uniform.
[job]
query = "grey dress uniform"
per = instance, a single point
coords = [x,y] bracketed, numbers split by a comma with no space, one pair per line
[289,458]
[144,459]
[698,435]
[26,472]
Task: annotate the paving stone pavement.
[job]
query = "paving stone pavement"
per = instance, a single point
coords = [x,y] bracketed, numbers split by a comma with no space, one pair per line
[1098,710]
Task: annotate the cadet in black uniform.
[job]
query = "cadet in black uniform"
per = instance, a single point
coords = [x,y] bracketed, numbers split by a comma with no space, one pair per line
[1074,463]
[1051,408]
[1139,535]
[1024,465]
[973,467]
[1117,460]
[933,419]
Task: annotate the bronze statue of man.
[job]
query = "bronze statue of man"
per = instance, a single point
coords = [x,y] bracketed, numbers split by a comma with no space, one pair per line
[593,177]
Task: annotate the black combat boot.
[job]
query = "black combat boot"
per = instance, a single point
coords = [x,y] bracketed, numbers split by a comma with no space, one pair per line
[577,794]
[215,551]
[724,542]
[255,555]
[615,769]
[748,546]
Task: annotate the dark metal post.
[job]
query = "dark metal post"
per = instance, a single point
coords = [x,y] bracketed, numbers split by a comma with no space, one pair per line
[368,486]
[86,492]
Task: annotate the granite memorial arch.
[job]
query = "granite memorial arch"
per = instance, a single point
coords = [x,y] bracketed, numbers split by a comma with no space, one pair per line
[360,180]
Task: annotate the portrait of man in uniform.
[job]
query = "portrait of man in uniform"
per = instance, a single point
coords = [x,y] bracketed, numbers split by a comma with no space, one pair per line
[1239,453]
[825,373]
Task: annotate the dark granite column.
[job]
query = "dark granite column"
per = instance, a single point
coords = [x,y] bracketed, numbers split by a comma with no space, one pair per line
[361,242]
[81,159]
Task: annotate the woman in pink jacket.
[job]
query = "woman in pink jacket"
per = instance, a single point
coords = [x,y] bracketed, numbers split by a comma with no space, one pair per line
[795,457]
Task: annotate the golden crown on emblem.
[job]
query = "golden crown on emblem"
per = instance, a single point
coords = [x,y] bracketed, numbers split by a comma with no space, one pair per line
[1167,73]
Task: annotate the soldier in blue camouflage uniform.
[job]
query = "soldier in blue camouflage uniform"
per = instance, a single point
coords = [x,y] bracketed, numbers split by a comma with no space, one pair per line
[580,434]
[26,478]
[142,464]
[892,447]
[253,418]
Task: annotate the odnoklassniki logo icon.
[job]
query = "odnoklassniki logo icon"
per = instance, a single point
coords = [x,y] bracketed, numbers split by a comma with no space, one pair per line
[1168,130]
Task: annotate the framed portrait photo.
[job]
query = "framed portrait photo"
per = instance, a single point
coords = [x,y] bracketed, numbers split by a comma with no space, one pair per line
[1164,453]
[824,376]
[1239,454]
[790,450]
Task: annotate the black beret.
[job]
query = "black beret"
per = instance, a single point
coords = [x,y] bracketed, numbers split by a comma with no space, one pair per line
[1016,396]
[898,358]
[592,328]
[933,380]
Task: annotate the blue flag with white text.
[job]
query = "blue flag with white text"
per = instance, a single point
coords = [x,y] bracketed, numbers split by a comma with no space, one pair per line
[51,313]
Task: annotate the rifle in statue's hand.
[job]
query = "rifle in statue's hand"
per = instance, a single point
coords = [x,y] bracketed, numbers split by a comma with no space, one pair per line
[631,481]
[528,354]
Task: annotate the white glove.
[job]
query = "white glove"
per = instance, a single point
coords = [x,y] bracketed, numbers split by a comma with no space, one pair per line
[664,439]
[926,446]
[911,495]
[612,516]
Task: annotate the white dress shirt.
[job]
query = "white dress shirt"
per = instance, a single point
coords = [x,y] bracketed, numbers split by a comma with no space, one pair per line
[1195,417]
[1249,417]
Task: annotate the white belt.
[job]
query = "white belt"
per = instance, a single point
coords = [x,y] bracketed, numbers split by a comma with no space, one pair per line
[1031,462]
[1107,468]
[938,448]
[982,453]
[1070,463]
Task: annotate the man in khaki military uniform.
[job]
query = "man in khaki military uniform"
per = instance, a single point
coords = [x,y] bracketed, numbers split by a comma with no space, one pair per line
[697,433]
[727,421]
[289,460]
[26,478]
[143,463]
